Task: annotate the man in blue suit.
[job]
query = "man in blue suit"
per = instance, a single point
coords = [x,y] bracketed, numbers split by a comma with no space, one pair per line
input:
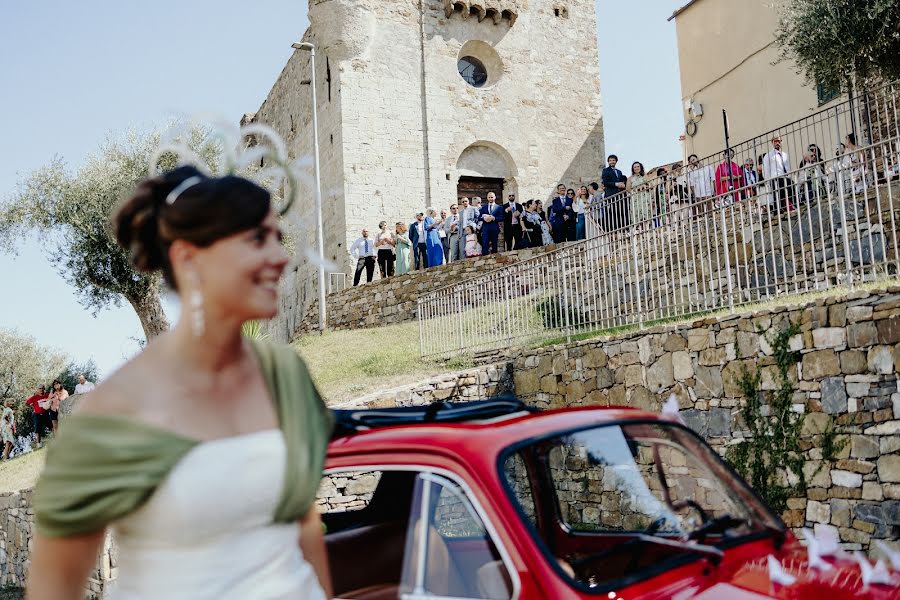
[560,214]
[417,237]
[491,217]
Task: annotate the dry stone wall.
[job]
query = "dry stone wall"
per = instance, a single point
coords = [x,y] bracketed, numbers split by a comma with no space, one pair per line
[850,349]
[16,544]
[850,355]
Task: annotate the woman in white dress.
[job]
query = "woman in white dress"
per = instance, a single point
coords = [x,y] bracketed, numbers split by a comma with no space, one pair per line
[203,453]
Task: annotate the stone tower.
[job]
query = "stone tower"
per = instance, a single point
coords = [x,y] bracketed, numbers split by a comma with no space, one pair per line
[422,101]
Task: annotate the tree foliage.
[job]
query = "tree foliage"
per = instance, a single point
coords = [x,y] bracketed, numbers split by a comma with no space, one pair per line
[831,41]
[70,211]
[25,365]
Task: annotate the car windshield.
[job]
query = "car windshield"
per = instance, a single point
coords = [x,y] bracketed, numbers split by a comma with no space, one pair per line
[621,502]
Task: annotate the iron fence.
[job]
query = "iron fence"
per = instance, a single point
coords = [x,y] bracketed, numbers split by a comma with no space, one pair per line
[828,223]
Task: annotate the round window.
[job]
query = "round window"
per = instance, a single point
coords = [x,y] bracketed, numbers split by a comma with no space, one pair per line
[473,71]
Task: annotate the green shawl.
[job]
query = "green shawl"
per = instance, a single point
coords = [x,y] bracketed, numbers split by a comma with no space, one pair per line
[102,467]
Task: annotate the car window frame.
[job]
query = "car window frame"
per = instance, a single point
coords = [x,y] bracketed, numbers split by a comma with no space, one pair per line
[617,584]
[489,526]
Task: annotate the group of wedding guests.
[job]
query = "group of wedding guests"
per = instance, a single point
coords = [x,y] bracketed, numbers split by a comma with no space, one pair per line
[642,200]
[44,408]
[471,228]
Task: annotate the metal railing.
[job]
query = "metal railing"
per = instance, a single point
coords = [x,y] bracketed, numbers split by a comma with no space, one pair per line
[871,116]
[830,223]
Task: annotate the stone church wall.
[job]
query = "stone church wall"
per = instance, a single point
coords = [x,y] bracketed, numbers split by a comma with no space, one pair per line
[395,129]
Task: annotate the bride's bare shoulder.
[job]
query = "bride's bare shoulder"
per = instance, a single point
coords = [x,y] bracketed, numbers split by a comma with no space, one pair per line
[124,390]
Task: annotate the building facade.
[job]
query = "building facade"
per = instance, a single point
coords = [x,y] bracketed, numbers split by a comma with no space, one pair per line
[729,60]
[424,101]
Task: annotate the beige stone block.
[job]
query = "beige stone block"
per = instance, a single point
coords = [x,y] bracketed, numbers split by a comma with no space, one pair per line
[818,512]
[880,359]
[634,375]
[820,363]
[682,366]
[889,468]
[549,384]
[660,375]
[829,337]
[864,446]
[698,339]
[872,491]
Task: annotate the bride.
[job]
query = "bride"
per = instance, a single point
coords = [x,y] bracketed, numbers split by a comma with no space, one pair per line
[203,454]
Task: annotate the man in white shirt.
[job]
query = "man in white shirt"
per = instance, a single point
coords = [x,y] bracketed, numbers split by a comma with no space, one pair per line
[84,386]
[468,215]
[700,178]
[442,233]
[363,250]
[451,229]
[776,166]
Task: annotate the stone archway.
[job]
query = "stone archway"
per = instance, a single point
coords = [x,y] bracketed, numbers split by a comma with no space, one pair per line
[485,165]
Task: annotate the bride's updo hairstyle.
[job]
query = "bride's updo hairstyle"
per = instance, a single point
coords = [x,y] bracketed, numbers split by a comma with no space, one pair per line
[185,205]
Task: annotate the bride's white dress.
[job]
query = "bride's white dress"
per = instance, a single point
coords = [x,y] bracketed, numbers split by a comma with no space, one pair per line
[208,530]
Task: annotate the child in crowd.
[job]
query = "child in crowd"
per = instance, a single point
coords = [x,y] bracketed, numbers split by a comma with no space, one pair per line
[473,248]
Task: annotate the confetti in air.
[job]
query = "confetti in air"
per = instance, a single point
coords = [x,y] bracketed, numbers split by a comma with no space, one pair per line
[821,544]
[872,575]
[670,408]
[889,553]
[777,574]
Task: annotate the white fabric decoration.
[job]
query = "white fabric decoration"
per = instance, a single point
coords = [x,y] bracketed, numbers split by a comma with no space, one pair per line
[870,574]
[777,574]
[670,408]
[889,553]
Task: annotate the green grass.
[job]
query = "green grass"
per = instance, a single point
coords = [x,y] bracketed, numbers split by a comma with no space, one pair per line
[22,472]
[352,363]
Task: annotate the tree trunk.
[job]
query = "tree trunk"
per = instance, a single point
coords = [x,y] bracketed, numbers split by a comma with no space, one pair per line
[150,311]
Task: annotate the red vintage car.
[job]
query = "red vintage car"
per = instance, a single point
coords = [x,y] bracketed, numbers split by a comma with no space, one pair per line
[490,500]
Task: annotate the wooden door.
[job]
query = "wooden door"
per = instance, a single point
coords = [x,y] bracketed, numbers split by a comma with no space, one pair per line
[470,187]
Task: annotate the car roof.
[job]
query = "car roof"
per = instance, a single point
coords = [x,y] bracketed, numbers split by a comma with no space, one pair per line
[478,439]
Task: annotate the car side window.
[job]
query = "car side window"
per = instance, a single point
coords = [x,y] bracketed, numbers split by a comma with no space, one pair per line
[516,474]
[449,552]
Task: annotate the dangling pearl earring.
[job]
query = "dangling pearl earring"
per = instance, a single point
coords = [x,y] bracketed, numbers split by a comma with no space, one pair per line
[198,320]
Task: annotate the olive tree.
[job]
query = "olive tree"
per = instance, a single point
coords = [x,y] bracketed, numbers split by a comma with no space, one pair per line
[834,42]
[25,364]
[70,214]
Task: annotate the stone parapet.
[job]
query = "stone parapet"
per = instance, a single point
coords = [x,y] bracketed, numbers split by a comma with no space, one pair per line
[393,300]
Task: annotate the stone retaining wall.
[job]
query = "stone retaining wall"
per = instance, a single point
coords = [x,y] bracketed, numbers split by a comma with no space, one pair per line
[393,300]
[850,350]
[16,527]
[847,375]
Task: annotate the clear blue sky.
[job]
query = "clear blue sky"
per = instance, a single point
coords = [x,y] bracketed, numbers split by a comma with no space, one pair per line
[72,72]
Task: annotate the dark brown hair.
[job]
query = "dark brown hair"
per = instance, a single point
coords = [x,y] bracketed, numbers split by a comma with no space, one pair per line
[203,213]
